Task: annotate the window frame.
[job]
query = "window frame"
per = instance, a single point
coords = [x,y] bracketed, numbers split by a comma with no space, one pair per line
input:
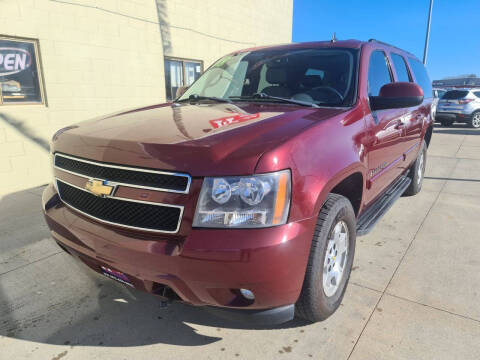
[389,67]
[40,77]
[411,60]
[410,78]
[183,61]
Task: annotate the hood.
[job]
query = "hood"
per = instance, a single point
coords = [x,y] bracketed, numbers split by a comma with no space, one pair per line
[200,139]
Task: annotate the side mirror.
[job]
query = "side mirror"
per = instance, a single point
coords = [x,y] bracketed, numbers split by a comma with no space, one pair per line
[397,95]
[180,91]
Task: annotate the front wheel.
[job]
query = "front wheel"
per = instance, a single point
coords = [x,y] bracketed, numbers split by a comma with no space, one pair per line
[330,260]
[475,120]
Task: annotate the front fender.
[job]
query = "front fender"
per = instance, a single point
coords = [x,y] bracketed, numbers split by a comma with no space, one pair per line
[319,159]
[337,179]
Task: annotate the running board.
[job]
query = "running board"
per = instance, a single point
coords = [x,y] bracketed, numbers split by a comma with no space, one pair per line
[369,218]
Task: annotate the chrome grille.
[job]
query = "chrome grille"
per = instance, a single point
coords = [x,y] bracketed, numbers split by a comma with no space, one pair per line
[134,214]
[123,175]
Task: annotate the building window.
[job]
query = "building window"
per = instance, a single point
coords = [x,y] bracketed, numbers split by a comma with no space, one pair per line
[180,72]
[20,74]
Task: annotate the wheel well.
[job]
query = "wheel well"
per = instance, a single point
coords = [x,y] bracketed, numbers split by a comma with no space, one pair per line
[352,188]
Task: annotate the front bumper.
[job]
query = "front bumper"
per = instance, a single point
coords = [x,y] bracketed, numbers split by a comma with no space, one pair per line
[204,267]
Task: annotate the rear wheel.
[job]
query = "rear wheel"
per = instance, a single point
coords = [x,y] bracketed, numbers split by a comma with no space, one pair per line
[417,171]
[330,261]
[475,120]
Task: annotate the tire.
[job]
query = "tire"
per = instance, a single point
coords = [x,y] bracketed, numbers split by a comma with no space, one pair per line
[317,301]
[447,123]
[417,172]
[475,120]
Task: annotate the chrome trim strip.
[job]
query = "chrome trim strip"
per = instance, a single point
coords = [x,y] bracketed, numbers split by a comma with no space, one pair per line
[180,217]
[113,183]
[412,148]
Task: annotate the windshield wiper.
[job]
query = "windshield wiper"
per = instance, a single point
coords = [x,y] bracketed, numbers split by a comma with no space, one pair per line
[269,97]
[196,97]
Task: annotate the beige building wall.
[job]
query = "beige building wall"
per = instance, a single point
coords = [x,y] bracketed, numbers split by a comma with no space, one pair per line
[207,29]
[98,57]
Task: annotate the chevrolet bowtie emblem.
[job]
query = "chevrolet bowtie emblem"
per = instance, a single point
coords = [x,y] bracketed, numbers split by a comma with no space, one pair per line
[98,188]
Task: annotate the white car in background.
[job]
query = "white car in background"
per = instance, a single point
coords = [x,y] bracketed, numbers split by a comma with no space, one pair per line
[437,94]
[459,105]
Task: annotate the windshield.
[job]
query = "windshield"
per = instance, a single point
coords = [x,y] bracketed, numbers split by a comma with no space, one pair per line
[326,77]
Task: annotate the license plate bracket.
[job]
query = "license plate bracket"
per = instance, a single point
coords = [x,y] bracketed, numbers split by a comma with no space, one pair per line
[116,275]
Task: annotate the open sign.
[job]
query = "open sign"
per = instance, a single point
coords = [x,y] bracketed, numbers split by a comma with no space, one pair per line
[14,60]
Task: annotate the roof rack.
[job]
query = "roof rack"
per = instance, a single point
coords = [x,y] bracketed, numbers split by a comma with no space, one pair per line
[387,44]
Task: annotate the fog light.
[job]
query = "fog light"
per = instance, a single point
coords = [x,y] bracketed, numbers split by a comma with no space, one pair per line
[247,294]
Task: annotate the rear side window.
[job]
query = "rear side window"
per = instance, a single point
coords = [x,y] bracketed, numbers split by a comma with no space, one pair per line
[421,77]
[455,94]
[378,73]
[400,68]
[476,93]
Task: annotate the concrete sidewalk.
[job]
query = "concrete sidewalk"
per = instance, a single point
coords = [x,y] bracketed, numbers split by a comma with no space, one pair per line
[414,292]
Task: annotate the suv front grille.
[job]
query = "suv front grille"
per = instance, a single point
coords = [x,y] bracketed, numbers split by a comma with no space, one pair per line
[122,175]
[119,211]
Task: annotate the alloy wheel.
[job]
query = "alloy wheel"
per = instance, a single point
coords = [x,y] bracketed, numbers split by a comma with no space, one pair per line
[335,258]
[476,120]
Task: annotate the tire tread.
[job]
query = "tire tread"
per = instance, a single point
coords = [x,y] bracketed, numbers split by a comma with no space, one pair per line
[304,308]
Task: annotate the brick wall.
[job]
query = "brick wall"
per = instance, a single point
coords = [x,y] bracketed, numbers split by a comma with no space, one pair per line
[103,56]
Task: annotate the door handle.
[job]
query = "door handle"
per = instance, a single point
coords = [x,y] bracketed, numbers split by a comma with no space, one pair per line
[399,125]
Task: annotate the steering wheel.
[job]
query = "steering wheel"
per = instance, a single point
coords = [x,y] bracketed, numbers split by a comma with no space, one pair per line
[329,88]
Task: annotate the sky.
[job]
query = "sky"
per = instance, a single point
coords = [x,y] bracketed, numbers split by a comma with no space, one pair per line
[454,47]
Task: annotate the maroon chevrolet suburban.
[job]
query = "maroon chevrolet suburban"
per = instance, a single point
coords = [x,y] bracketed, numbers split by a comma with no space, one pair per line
[246,193]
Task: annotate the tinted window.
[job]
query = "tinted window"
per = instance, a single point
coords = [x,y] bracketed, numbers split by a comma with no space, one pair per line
[378,73]
[400,68]
[477,94]
[455,94]
[421,77]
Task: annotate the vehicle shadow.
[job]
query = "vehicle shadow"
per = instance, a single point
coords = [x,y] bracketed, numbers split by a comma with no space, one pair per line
[140,319]
[54,299]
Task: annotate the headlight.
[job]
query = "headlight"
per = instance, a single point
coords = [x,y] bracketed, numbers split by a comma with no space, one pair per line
[244,202]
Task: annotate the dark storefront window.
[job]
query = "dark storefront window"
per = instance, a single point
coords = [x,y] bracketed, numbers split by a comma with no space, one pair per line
[20,78]
[180,72]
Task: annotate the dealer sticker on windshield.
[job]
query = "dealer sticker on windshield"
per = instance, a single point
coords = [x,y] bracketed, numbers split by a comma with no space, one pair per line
[116,275]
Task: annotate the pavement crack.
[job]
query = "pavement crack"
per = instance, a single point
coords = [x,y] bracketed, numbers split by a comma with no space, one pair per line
[365,287]
[33,262]
[433,307]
